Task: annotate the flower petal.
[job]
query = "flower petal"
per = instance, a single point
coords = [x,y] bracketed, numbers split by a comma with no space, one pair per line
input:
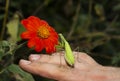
[32,23]
[53,38]
[31,43]
[42,22]
[28,25]
[49,46]
[28,35]
[39,45]
[50,49]
[35,21]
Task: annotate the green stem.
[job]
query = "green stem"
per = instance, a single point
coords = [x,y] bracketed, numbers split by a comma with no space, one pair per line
[75,18]
[5,19]
[18,46]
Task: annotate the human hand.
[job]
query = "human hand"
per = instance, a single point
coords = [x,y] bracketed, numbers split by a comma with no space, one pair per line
[54,67]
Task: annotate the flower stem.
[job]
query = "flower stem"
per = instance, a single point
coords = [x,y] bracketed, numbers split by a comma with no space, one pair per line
[5,19]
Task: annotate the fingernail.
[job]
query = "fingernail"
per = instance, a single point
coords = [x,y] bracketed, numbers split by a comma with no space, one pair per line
[34,57]
[25,62]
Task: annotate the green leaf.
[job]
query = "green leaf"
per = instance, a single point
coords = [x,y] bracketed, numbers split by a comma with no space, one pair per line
[22,75]
[21,29]
[5,61]
[116,7]
[4,46]
[1,53]
[99,10]
[12,26]
[4,43]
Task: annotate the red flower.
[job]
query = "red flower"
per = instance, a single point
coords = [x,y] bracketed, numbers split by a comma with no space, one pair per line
[39,34]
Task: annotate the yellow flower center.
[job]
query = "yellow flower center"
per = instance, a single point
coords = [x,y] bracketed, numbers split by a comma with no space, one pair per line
[43,32]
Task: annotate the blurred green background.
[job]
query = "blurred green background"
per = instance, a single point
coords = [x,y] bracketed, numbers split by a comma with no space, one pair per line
[91,26]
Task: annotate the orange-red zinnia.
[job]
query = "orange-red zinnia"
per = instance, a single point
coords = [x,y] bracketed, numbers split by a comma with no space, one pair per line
[39,34]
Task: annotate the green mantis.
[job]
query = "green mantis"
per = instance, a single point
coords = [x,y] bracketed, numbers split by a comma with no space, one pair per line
[69,57]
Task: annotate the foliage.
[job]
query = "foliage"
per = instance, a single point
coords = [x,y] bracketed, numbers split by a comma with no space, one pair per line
[8,70]
[91,26]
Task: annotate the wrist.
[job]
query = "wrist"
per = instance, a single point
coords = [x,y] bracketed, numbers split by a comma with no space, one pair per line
[102,73]
[112,73]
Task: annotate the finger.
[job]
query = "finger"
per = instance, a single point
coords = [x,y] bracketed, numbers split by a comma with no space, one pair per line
[54,59]
[34,57]
[45,69]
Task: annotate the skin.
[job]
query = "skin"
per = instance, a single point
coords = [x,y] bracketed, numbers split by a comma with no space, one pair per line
[54,66]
